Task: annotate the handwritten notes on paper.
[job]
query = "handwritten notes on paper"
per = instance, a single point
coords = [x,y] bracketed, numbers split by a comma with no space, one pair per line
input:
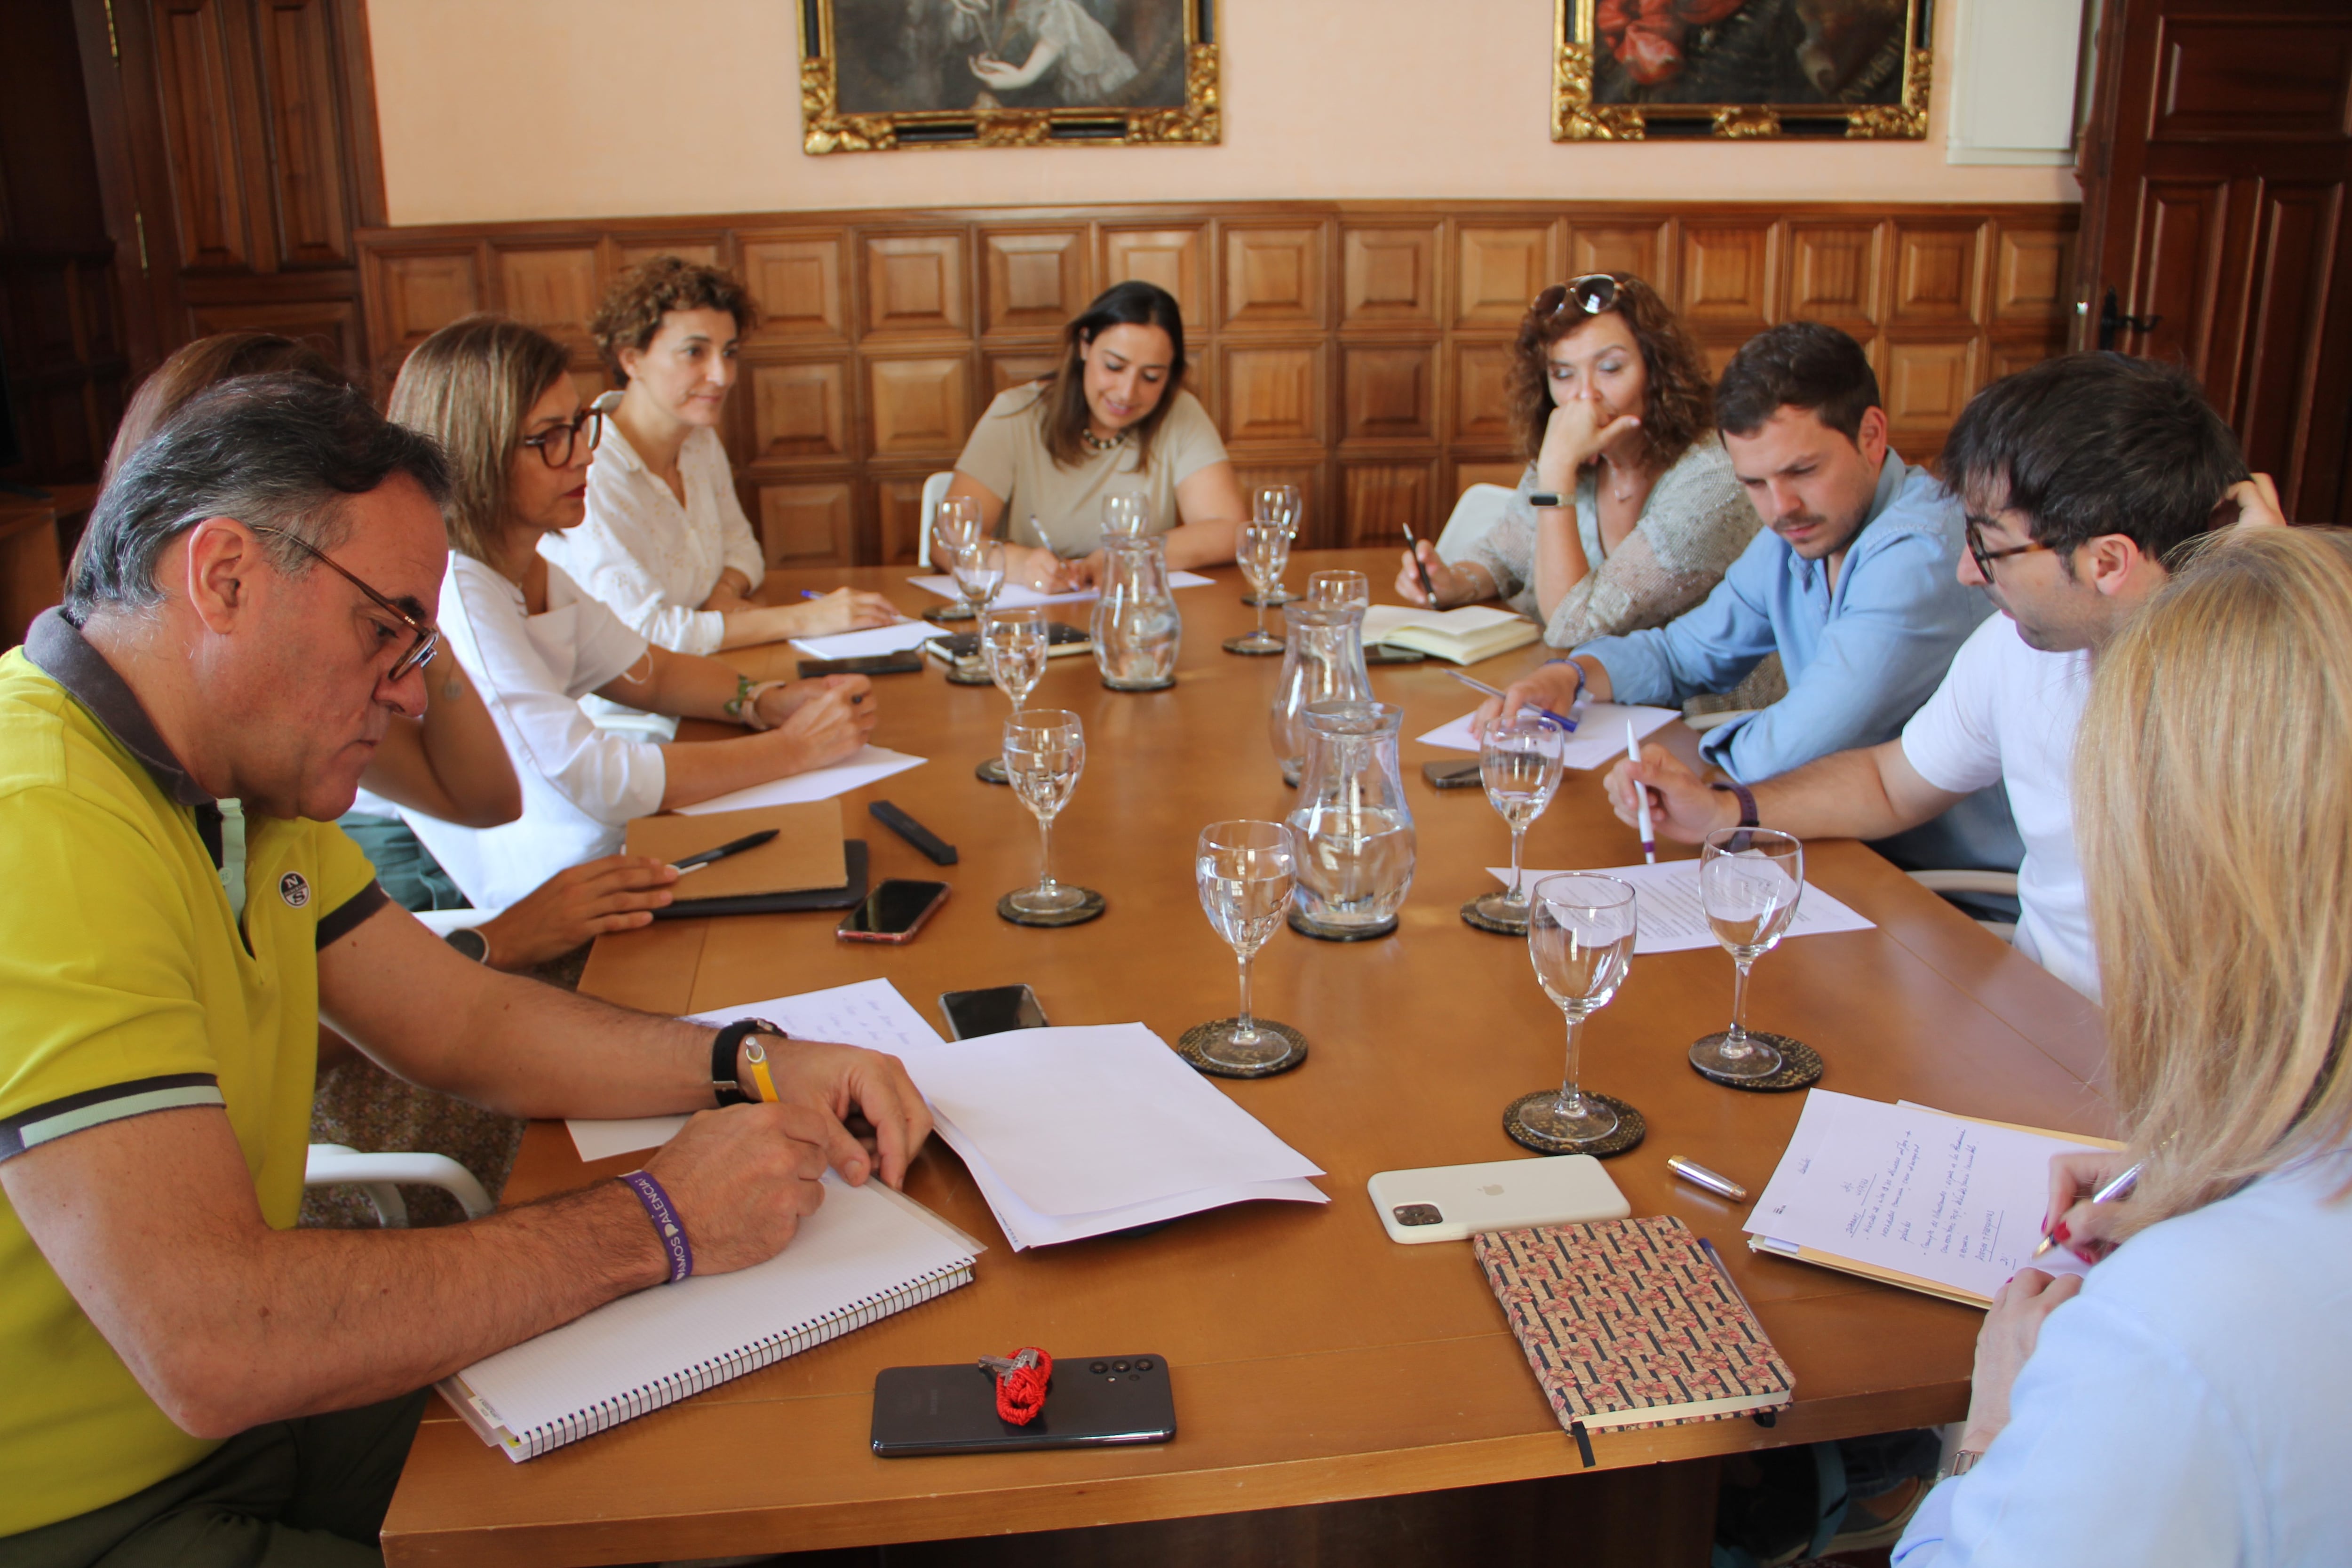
[1670,919]
[1599,740]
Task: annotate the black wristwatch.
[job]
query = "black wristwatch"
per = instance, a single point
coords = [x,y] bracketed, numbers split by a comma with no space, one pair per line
[723,1048]
[470,942]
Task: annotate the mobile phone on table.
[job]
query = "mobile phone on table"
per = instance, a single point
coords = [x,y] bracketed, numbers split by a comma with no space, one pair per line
[972,1013]
[894,911]
[1059,635]
[1451,775]
[1448,1202]
[1389,653]
[909,662]
[1093,1402]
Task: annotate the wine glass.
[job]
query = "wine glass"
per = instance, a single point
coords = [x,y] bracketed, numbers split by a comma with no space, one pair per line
[1750,880]
[1277,504]
[1045,752]
[1580,940]
[1246,871]
[978,568]
[1262,549]
[1339,590]
[1125,517]
[1013,645]
[955,523]
[1519,763]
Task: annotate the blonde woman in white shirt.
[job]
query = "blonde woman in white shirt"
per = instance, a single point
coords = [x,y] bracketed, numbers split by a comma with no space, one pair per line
[666,543]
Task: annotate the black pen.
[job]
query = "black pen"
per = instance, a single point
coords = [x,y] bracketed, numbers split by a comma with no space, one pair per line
[697,862]
[1413,545]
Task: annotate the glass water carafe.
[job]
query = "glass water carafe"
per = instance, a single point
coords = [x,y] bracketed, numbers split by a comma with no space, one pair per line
[1322,661]
[1137,631]
[1353,824]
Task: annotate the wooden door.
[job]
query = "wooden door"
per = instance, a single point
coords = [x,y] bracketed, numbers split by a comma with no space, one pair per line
[2214,171]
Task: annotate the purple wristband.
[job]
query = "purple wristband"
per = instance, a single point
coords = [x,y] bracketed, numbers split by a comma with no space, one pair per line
[666,1225]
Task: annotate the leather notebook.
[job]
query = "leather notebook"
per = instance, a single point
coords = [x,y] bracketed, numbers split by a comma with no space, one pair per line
[852,891]
[806,852]
[1627,1323]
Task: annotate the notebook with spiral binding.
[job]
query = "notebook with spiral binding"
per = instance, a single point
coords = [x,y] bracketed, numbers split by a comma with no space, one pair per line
[1627,1323]
[865,1253]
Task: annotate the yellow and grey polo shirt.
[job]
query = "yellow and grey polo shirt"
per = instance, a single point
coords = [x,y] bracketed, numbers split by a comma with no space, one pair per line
[129,985]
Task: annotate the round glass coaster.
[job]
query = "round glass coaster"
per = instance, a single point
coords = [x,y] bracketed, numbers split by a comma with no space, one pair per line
[1205,1049]
[974,677]
[1630,1129]
[1321,932]
[1270,600]
[1799,1065]
[1482,912]
[1165,685]
[1251,647]
[1088,905]
[992,772]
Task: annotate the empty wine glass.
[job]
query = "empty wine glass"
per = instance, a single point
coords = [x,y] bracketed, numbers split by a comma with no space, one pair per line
[1339,590]
[1262,549]
[1277,504]
[1750,880]
[955,523]
[1246,871]
[1013,645]
[978,568]
[1125,517]
[1580,940]
[1519,763]
[1045,752]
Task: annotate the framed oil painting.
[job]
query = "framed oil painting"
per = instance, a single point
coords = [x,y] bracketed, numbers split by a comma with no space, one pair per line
[1627,70]
[882,74]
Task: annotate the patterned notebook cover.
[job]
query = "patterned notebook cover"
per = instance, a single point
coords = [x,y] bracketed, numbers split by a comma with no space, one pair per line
[1627,1323]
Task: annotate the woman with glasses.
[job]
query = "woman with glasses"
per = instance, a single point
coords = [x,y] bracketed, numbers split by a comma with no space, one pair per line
[666,543]
[1628,513]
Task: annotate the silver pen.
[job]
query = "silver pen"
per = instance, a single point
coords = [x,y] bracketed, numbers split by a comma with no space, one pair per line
[1699,1175]
[2121,1187]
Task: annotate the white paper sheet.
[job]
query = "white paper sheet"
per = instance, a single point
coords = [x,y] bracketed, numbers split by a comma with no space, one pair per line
[1014,596]
[819,784]
[1670,919]
[1599,740]
[1914,1190]
[896,638]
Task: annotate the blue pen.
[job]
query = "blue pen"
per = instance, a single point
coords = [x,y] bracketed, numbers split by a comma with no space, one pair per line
[1564,720]
[811,593]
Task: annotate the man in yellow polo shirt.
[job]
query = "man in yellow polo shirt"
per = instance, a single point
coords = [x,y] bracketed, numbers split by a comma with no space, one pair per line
[185,1378]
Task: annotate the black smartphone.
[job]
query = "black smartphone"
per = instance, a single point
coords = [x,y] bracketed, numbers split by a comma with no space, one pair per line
[908,662]
[1451,775]
[1058,633]
[1093,1402]
[1389,653]
[972,1013]
[893,911]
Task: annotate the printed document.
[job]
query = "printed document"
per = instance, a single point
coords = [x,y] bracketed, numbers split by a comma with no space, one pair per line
[1669,917]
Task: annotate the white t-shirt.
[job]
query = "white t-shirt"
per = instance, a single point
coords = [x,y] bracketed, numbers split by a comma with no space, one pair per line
[581,784]
[652,560]
[2007,715]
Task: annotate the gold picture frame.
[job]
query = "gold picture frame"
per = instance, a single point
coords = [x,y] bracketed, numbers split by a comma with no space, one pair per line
[1745,69]
[878,75]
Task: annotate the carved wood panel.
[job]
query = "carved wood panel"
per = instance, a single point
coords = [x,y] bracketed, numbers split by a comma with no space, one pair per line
[297,64]
[1013,367]
[1035,279]
[1388,276]
[1638,249]
[2180,243]
[1482,399]
[2032,272]
[808,522]
[799,410]
[1727,276]
[796,280]
[1834,273]
[211,203]
[1934,272]
[2295,240]
[898,507]
[1317,529]
[1926,383]
[1272,394]
[1273,277]
[550,288]
[1505,472]
[419,292]
[1175,259]
[699,248]
[1389,394]
[919,406]
[917,283]
[1378,500]
[330,326]
[1498,268]
[2239,77]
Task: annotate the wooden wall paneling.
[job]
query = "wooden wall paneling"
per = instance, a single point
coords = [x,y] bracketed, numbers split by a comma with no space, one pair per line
[898,507]
[2295,238]
[1936,267]
[916,282]
[1499,269]
[1378,499]
[1728,282]
[1644,248]
[1834,273]
[798,280]
[552,288]
[1926,383]
[1273,392]
[2033,273]
[2007,357]
[919,404]
[807,521]
[412,293]
[800,410]
[1482,408]
[2182,227]
[707,248]
[1011,367]
[1387,391]
[1467,471]
[211,204]
[311,202]
[1388,276]
[331,326]
[1033,280]
[1273,277]
[1175,258]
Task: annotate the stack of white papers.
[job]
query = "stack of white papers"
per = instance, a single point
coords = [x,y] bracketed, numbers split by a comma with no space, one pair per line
[869,764]
[1014,596]
[1599,740]
[1069,1132]
[874,641]
[1669,918]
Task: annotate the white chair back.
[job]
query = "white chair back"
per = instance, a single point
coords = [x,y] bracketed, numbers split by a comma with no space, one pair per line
[1480,507]
[935,490]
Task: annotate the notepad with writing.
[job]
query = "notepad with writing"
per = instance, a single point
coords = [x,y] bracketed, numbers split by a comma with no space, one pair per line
[1627,1323]
[866,1252]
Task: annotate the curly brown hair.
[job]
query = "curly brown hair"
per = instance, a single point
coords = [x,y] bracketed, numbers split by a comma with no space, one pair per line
[1680,406]
[638,299]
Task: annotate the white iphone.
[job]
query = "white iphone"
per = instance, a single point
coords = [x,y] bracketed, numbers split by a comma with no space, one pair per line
[1448,1203]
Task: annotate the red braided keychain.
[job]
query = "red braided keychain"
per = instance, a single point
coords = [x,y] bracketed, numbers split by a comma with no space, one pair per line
[1021,1383]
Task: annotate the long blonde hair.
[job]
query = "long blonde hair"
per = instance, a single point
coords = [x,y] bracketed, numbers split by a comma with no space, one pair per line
[470,387]
[2213,800]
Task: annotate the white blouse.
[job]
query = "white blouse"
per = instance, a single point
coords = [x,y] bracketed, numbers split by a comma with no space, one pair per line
[652,560]
[581,784]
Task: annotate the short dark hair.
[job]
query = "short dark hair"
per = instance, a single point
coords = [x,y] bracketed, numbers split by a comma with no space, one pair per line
[1063,394]
[283,450]
[632,312]
[2091,443]
[1796,364]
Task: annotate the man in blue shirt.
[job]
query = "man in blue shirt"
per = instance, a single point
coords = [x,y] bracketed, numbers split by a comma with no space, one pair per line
[1852,582]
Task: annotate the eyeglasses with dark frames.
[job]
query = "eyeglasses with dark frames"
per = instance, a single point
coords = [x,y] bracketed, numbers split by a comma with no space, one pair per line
[428,637]
[557,447]
[1984,558]
[1593,293]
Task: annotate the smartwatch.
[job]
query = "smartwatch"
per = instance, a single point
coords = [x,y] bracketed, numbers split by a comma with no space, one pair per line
[724,1046]
[470,942]
[1543,500]
[1747,802]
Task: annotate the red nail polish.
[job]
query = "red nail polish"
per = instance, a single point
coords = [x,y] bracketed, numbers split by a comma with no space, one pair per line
[2085,1252]
[2058,1233]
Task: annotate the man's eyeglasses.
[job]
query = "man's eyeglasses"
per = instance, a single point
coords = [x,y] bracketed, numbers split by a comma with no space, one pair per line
[1984,558]
[1593,293]
[428,637]
[558,447]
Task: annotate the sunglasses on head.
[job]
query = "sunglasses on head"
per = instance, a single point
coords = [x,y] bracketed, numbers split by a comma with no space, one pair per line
[1593,293]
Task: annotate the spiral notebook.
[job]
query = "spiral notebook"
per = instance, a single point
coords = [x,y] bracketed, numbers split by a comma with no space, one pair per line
[865,1253]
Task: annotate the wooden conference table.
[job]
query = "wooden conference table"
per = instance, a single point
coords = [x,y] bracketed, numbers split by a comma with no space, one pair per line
[1314,1360]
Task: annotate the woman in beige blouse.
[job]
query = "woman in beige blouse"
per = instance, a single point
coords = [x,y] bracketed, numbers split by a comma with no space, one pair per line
[1628,513]
[1114,419]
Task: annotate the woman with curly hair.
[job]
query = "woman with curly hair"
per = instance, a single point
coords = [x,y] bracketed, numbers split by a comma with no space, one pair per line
[1628,513]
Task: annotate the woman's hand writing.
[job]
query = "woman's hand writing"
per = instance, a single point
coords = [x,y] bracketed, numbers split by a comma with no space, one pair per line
[1453,586]
[2087,1230]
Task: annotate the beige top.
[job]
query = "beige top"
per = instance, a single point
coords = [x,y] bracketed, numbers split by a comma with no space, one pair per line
[1060,508]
